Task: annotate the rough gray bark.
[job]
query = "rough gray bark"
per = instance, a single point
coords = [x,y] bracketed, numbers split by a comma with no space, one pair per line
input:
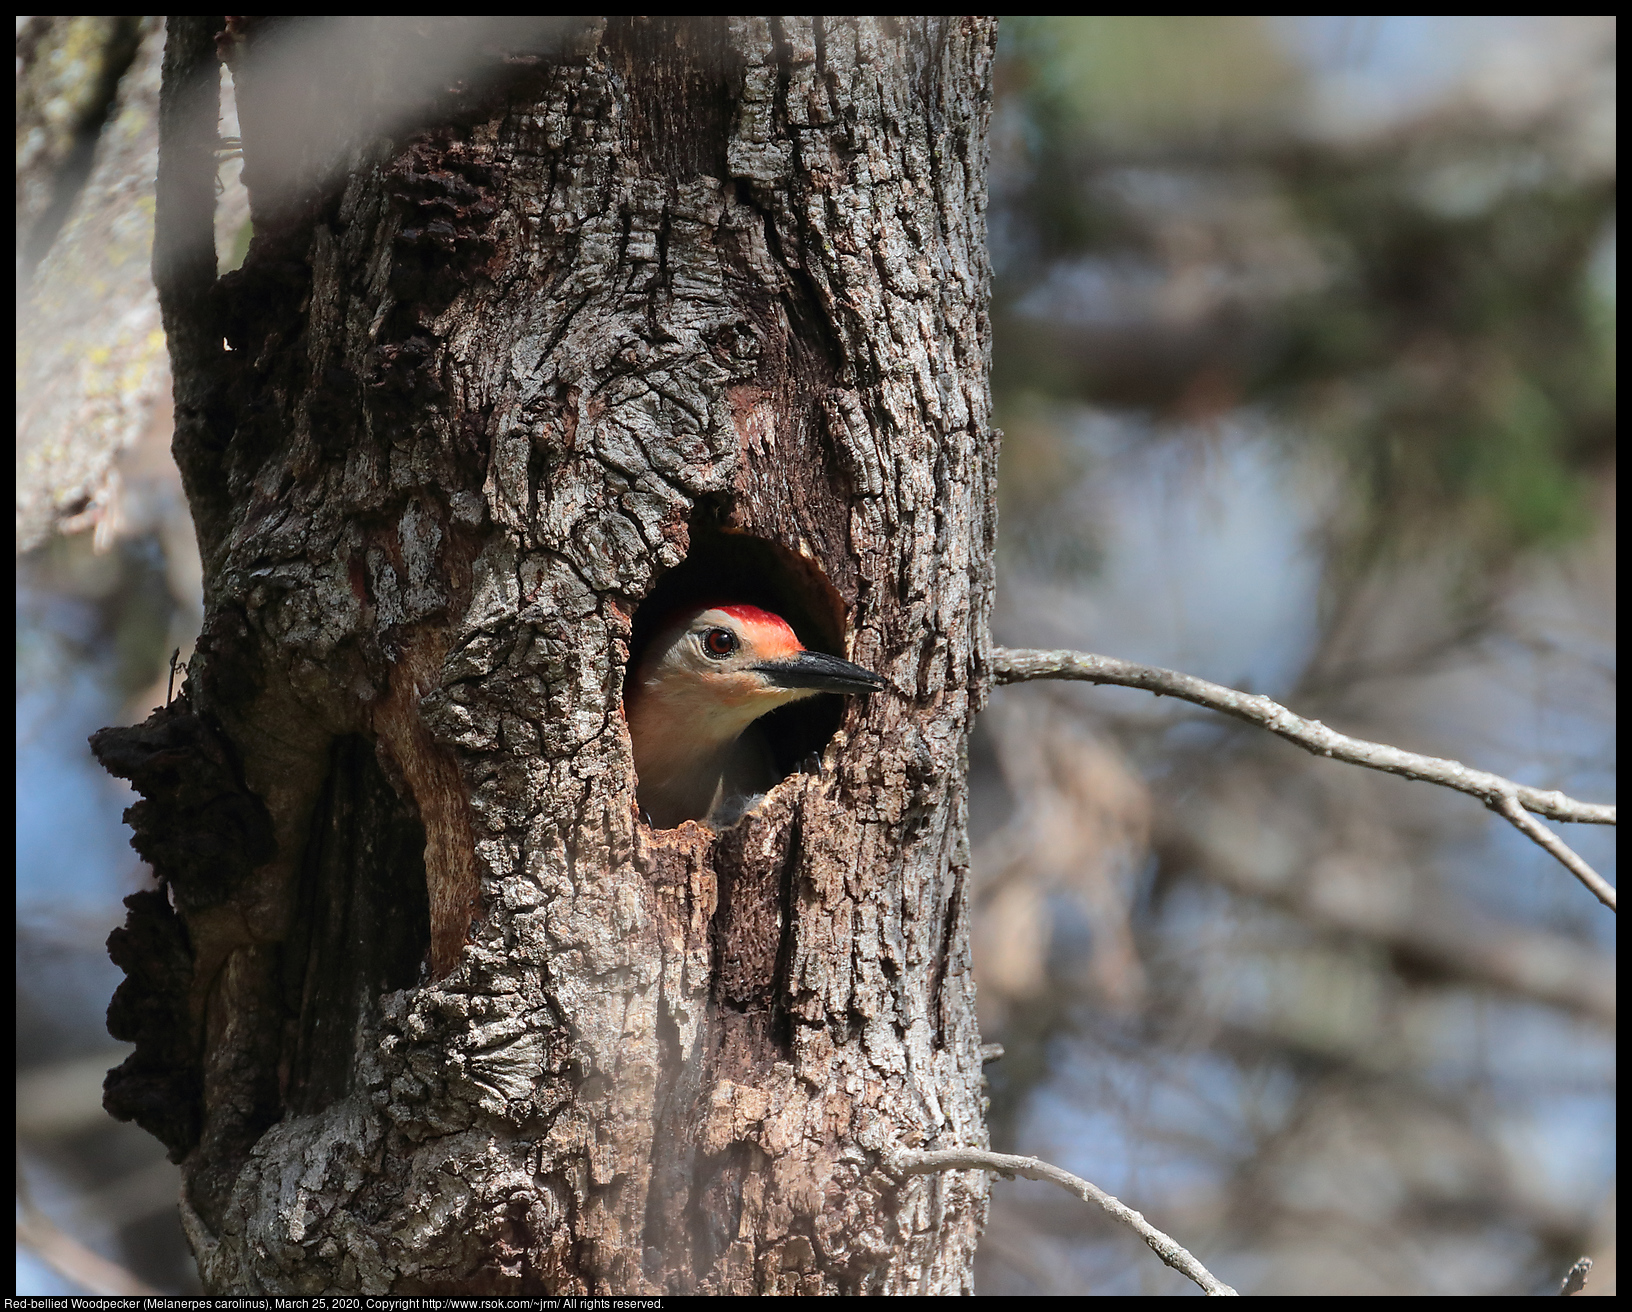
[435,1010]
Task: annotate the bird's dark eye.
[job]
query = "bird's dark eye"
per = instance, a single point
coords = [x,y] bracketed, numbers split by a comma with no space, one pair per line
[719,643]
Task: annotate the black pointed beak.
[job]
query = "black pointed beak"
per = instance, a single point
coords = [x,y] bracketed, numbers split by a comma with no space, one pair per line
[818,670]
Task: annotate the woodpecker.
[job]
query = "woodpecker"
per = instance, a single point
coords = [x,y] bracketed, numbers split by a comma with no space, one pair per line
[707,675]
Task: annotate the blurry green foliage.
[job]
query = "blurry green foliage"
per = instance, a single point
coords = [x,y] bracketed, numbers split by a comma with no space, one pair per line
[1457,359]
[1128,78]
[1426,303]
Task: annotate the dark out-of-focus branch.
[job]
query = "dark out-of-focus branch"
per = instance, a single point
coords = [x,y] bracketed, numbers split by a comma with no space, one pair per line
[1509,799]
[913,1162]
[1454,945]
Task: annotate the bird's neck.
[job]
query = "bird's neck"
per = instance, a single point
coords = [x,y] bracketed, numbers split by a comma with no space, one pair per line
[684,724]
[680,757]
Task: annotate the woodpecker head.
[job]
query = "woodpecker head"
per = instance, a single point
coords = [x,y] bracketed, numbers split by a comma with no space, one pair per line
[706,676]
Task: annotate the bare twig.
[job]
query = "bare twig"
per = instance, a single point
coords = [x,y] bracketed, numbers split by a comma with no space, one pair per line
[1575,1279]
[1502,795]
[912,1162]
[1533,829]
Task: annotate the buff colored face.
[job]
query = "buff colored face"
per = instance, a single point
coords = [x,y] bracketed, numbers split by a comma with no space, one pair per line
[705,678]
[706,669]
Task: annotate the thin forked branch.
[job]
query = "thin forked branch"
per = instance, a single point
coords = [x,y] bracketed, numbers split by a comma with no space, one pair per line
[1509,799]
[913,1162]
[1508,806]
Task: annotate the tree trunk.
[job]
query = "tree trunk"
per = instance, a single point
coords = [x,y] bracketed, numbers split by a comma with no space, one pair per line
[650,308]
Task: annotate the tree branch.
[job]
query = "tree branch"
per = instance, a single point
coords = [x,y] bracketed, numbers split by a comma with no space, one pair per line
[1508,806]
[914,1162]
[1511,800]
[1575,1279]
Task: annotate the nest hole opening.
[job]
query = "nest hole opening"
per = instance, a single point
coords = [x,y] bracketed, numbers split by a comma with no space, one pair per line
[729,565]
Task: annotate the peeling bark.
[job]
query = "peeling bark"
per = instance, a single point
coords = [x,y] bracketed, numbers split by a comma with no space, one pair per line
[646,292]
